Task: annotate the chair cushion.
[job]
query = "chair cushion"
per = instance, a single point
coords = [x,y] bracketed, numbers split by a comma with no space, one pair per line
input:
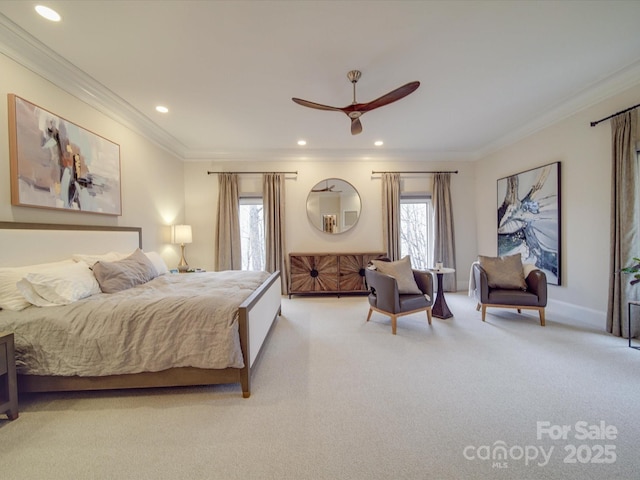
[401,271]
[413,302]
[513,297]
[504,272]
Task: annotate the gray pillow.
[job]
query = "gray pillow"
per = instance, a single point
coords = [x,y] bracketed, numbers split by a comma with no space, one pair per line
[401,271]
[504,272]
[134,270]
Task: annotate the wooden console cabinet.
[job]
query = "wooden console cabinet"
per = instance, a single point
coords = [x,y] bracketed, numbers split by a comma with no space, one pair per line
[328,272]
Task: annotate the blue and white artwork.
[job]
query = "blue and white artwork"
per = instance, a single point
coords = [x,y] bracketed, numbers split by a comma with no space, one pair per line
[529,218]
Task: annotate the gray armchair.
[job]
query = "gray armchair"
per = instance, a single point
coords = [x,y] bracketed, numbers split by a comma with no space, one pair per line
[533,298]
[384,297]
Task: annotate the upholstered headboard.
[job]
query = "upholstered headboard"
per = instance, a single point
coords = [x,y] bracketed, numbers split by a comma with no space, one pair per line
[31,243]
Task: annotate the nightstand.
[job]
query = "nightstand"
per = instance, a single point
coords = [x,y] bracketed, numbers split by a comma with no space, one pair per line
[8,381]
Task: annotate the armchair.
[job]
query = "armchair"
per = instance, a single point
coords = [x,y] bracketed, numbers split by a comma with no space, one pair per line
[384,296]
[533,298]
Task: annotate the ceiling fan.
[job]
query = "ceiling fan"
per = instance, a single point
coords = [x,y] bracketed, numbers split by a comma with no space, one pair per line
[327,188]
[356,110]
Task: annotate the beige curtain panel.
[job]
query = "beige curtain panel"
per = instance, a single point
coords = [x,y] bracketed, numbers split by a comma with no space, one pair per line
[444,238]
[229,255]
[625,195]
[391,214]
[274,197]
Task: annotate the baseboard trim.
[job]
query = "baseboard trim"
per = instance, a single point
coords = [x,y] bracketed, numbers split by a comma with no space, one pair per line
[595,318]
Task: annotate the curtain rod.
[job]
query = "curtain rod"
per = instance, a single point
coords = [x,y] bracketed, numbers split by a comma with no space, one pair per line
[373,172]
[254,173]
[593,124]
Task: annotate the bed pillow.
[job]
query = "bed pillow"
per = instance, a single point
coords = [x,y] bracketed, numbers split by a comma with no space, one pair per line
[61,286]
[504,272]
[134,270]
[401,271]
[90,259]
[158,262]
[10,296]
[29,293]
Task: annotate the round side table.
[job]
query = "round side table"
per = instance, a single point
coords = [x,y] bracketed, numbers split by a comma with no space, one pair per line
[440,308]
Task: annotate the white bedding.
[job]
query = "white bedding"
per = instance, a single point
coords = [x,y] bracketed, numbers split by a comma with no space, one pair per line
[172,321]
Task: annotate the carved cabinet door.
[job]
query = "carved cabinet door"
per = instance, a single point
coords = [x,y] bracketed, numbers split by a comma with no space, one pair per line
[314,273]
[352,273]
[352,267]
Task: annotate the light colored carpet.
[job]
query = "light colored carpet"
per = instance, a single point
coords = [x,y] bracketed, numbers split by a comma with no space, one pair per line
[335,397]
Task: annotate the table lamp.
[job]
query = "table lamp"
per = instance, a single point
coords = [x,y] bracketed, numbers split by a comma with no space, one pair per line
[181,234]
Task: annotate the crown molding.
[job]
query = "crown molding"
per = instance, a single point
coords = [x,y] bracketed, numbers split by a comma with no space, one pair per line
[326,155]
[20,46]
[614,84]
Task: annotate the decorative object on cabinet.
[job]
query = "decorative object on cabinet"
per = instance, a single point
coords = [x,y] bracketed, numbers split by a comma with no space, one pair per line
[334,273]
[333,205]
[59,165]
[529,218]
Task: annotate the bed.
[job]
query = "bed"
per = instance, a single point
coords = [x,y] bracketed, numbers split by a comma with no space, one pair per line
[248,323]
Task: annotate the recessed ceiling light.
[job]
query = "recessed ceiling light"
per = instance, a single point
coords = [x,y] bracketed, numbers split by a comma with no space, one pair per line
[162,109]
[302,143]
[48,13]
[378,143]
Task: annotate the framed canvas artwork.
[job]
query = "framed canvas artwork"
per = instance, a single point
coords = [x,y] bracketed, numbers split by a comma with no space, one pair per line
[57,164]
[529,218]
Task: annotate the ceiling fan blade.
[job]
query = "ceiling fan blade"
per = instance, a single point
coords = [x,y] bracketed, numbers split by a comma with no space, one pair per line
[356,126]
[325,189]
[390,97]
[306,103]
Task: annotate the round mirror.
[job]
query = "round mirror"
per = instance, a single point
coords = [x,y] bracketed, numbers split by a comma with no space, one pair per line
[333,206]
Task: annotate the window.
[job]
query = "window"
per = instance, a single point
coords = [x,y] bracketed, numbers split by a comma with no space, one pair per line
[416,230]
[252,233]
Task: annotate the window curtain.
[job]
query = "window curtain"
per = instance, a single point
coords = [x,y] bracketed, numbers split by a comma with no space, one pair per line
[229,256]
[391,214]
[444,238]
[273,198]
[624,223]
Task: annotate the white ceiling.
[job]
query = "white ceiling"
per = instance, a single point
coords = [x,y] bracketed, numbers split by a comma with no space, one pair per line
[490,71]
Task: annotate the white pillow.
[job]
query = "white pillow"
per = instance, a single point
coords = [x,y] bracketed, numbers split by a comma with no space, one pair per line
[30,294]
[61,286]
[10,296]
[90,259]
[528,268]
[158,262]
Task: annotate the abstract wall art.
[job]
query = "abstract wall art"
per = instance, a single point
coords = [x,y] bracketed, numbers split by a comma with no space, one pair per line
[529,218]
[57,164]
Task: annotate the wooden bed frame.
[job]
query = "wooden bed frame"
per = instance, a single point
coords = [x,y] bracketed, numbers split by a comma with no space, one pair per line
[23,245]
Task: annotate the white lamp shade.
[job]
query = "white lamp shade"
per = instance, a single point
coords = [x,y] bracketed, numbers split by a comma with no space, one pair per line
[181,234]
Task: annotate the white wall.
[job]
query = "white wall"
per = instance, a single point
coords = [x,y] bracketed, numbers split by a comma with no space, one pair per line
[158,190]
[201,194]
[585,156]
[151,179]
